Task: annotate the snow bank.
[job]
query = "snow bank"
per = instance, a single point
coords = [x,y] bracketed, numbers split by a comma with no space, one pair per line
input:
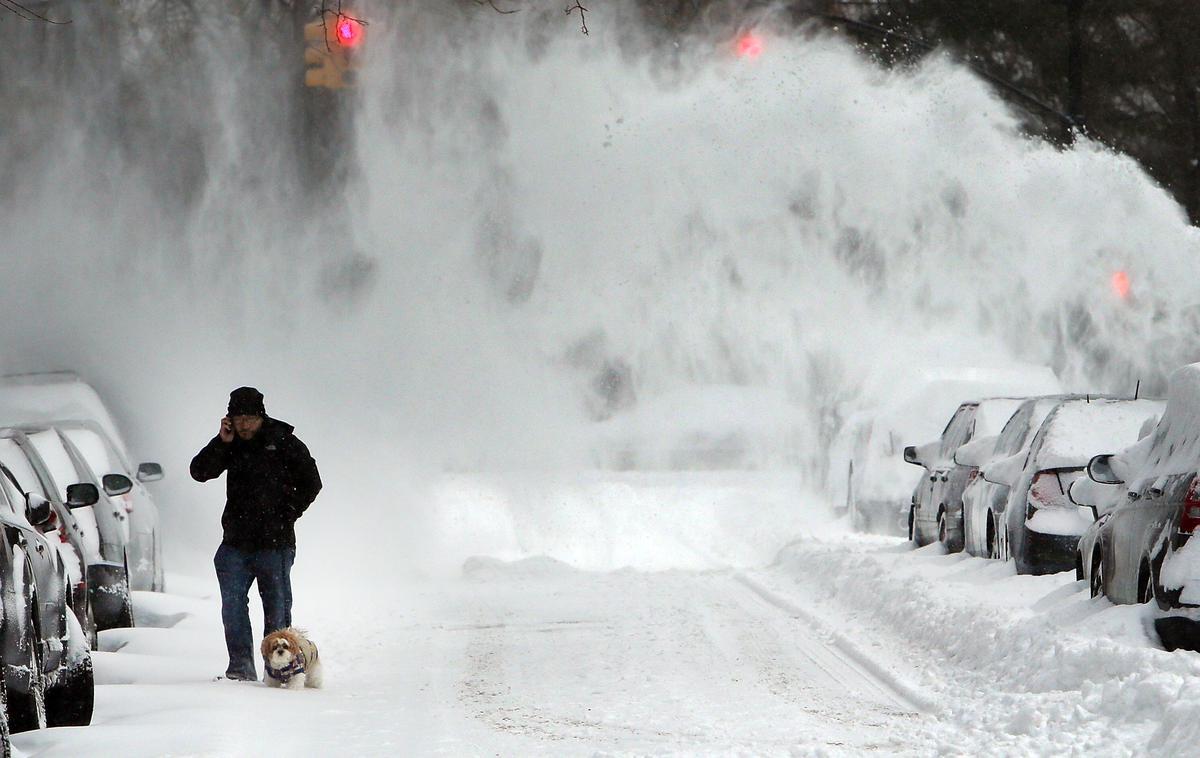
[610,520]
[1032,662]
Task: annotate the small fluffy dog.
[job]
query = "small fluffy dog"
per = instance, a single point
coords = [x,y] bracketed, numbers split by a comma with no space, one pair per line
[290,660]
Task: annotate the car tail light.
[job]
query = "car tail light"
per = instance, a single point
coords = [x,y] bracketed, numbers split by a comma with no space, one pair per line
[1049,488]
[971,477]
[1189,517]
[62,534]
[1046,489]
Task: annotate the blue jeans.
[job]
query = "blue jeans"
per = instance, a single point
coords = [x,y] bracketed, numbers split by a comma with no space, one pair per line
[236,571]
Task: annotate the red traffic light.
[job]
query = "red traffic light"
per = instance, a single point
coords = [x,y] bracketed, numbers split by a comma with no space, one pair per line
[347,31]
[1120,284]
[749,45]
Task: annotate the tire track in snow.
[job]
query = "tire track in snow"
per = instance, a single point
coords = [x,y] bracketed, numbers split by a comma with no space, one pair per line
[851,656]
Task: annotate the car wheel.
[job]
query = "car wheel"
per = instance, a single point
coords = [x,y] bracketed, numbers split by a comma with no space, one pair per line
[912,525]
[27,710]
[5,732]
[1097,583]
[125,618]
[1145,583]
[72,698]
[943,531]
[993,550]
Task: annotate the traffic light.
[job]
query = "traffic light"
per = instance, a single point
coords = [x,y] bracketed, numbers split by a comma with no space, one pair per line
[331,54]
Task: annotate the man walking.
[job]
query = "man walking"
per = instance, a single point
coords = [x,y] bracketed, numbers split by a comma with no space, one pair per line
[272,481]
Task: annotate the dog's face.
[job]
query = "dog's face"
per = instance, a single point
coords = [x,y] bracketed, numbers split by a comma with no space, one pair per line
[279,649]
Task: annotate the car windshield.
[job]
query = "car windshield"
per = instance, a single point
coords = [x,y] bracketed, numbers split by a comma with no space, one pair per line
[58,462]
[1079,429]
[14,458]
[100,456]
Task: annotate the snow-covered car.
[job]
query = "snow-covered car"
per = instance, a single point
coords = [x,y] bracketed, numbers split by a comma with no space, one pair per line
[984,501]
[936,513]
[63,400]
[135,515]
[96,527]
[48,677]
[867,471]
[1102,498]
[1144,549]
[874,482]
[1042,526]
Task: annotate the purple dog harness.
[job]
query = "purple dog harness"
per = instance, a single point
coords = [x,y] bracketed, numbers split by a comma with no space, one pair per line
[285,674]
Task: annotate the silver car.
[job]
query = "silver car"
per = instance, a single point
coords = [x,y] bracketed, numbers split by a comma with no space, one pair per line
[1042,524]
[1143,548]
[99,461]
[984,501]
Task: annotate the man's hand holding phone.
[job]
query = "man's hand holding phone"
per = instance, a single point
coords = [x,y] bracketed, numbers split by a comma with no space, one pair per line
[226,433]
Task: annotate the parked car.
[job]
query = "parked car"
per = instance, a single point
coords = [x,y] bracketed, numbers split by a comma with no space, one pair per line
[1102,498]
[874,484]
[47,668]
[98,459]
[984,501]
[1042,525]
[63,400]
[936,513]
[867,469]
[98,530]
[1143,548]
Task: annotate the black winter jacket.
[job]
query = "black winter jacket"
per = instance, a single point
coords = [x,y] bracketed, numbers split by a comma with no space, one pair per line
[272,481]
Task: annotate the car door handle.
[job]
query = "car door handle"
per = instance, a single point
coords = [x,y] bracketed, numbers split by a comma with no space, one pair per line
[41,548]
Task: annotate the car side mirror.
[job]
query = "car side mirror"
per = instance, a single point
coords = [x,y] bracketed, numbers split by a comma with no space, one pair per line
[1099,469]
[1005,471]
[37,509]
[116,484]
[976,452]
[82,494]
[149,472]
[910,456]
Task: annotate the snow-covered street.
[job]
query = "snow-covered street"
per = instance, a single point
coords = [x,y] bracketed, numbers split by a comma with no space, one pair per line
[584,359]
[841,644]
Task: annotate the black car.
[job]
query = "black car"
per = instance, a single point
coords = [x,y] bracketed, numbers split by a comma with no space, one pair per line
[1042,524]
[48,677]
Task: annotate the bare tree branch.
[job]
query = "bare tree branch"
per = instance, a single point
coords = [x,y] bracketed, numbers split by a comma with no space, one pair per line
[492,3]
[27,14]
[582,15]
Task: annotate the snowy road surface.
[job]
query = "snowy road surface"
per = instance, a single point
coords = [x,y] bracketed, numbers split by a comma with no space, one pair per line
[837,645]
[516,659]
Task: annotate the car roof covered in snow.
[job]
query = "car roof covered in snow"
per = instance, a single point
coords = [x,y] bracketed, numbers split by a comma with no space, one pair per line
[54,396]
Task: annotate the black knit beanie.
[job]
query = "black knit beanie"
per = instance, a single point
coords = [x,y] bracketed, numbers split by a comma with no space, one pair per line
[246,401]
